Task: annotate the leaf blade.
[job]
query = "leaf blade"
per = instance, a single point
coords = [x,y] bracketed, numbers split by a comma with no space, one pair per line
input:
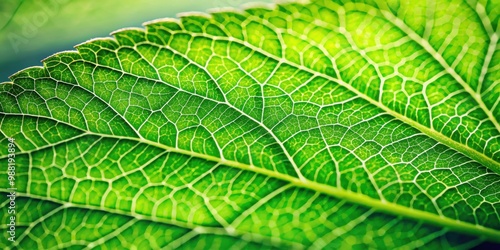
[224,110]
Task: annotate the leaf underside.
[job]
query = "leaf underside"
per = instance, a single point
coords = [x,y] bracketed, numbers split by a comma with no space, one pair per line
[326,124]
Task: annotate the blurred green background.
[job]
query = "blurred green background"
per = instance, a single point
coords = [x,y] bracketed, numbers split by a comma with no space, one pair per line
[31,30]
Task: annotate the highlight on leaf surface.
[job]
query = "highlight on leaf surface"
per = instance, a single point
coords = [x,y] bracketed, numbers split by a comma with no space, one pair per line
[321,124]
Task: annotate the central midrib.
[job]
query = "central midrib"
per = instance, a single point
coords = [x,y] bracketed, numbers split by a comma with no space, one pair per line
[357,198]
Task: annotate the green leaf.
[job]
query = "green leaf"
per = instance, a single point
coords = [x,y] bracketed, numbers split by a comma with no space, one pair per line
[325,124]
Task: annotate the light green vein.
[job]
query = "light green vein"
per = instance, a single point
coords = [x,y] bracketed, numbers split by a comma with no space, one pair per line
[462,148]
[378,205]
[199,230]
[356,198]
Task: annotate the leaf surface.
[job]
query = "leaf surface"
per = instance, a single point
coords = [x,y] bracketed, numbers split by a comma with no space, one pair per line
[325,124]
